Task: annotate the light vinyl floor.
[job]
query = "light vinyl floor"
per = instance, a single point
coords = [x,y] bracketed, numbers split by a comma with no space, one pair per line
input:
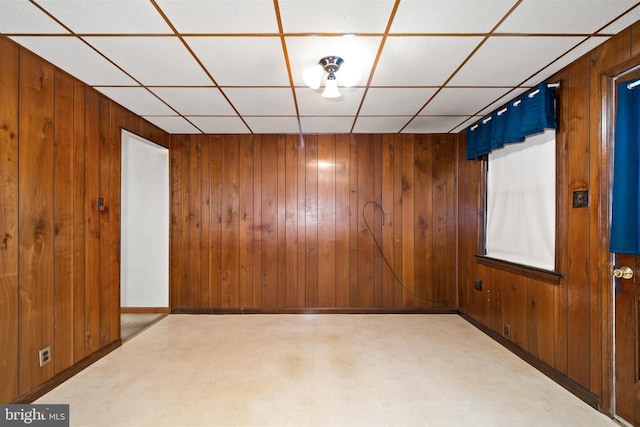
[317,370]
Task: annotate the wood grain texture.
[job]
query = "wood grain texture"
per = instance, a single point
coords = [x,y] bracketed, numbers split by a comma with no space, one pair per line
[288,226]
[9,209]
[566,326]
[36,217]
[79,230]
[63,221]
[59,269]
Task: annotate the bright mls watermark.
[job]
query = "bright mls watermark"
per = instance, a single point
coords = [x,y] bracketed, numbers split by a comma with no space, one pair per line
[34,415]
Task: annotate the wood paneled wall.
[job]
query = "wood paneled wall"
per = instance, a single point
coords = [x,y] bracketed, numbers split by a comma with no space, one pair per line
[59,256]
[564,326]
[277,222]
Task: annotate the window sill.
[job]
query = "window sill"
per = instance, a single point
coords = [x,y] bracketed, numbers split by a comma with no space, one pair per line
[548,276]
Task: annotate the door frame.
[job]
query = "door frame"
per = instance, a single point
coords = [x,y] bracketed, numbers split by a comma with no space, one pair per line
[606,259]
[135,136]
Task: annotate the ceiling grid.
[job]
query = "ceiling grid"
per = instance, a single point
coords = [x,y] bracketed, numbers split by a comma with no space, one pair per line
[230,67]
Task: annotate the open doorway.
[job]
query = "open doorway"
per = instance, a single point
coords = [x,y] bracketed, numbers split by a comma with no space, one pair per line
[144,252]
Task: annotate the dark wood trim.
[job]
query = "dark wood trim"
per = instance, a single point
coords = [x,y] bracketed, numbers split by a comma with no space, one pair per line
[581,392]
[539,274]
[346,310]
[141,310]
[608,79]
[63,376]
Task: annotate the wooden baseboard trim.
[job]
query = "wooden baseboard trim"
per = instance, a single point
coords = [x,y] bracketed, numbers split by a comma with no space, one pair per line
[54,382]
[145,310]
[550,372]
[190,310]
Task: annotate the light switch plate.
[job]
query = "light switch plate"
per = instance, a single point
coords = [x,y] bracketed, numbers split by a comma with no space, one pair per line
[581,199]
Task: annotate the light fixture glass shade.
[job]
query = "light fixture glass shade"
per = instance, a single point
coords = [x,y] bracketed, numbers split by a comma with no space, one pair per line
[349,74]
[312,76]
[331,89]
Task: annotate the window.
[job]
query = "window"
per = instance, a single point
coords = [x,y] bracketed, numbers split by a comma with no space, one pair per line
[521,202]
[518,142]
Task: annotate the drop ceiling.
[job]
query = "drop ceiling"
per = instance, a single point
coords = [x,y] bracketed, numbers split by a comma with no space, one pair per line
[234,66]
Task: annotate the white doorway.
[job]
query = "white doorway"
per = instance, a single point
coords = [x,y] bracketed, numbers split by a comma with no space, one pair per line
[144,232]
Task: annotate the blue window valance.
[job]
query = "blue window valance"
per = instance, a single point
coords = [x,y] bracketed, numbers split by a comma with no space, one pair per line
[529,114]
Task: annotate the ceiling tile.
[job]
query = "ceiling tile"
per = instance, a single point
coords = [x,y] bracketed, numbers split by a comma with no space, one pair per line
[567,59]
[221,16]
[624,22]
[335,16]
[138,100]
[311,102]
[219,125]
[434,124]
[457,101]
[421,61]
[195,101]
[22,17]
[172,124]
[464,125]
[449,16]
[116,16]
[511,60]
[242,61]
[378,124]
[76,58]
[262,101]
[273,124]
[500,102]
[153,61]
[326,124]
[563,17]
[307,51]
[395,101]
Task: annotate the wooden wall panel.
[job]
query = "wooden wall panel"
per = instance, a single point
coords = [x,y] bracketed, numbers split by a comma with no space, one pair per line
[408,221]
[9,220]
[35,174]
[175,224]
[60,148]
[246,222]
[291,221]
[387,205]
[205,223]
[342,221]
[281,234]
[79,230]
[311,221]
[92,222]
[366,223]
[287,221]
[327,221]
[119,116]
[578,274]
[269,238]
[63,221]
[105,220]
[300,223]
[195,218]
[426,220]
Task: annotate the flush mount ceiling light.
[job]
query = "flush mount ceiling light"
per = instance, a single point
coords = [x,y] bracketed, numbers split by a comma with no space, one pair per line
[348,75]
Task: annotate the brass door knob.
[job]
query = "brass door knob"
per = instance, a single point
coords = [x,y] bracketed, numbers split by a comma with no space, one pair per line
[623,273]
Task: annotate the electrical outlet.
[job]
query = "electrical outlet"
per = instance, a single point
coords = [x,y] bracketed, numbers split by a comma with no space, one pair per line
[44,355]
[507,330]
[477,284]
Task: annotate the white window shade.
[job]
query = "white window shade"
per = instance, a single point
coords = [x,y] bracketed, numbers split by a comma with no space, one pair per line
[521,202]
